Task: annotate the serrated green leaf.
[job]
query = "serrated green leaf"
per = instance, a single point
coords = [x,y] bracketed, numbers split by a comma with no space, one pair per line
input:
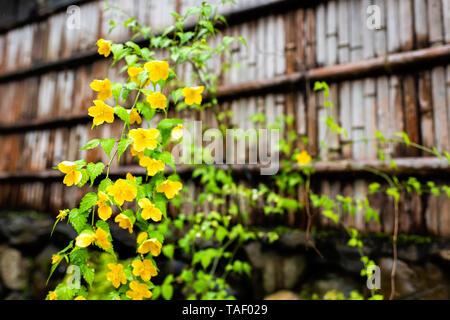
[88,201]
[122,113]
[94,170]
[122,146]
[78,219]
[88,273]
[84,178]
[91,144]
[116,88]
[107,145]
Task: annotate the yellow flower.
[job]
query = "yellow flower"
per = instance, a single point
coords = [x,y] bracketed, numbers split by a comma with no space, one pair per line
[170,188]
[101,112]
[101,236]
[144,138]
[145,269]
[130,177]
[134,153]
[141,237]
[72,176]
[303,158]
[80,298]
[124,222]
[157,100]
[104,47]
[122,191]
[193,95]
[133,72]
[149,210]
[152,165]
[138,291]
[151,245]
[177,132]
[135,117]
[56,258]
[62,214]
[158,70]
[116,276]
[52,295]
[84,239]
[103,87]
[104,211]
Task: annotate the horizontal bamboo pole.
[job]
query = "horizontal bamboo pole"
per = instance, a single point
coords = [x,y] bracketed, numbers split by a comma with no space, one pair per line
[41,14]
[393,63]
[405,166]
[233,17]
[389,64]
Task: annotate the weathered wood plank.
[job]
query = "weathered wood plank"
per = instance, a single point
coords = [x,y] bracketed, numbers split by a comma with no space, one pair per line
[441,125]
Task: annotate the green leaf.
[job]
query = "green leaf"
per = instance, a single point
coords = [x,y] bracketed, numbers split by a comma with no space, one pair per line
[167,291]
[394,193]
[165,157]
[79,256]
[91,144]
[64,292]
[116,88]
[185,37]
[122,113]
[88,201]
[88,273]
[330,214]
[78,219]
[374,187]
[84,178]
[168,251]
[94,170]
[122,146]
[104,183]
[176,95]
[221,233]
[107,145]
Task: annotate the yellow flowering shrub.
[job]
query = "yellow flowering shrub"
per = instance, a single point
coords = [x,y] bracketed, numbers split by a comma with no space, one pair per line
[149,195]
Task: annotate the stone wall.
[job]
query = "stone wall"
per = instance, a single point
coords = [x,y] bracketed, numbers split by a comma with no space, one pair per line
[283,270]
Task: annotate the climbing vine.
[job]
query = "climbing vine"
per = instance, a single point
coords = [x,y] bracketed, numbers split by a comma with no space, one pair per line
[210,241]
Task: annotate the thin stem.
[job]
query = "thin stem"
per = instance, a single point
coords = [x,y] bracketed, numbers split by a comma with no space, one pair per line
[309,242]
[216,260]
[121,136]
[394,247]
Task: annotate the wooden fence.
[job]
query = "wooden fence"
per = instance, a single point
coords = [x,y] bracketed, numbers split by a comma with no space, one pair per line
[393,78]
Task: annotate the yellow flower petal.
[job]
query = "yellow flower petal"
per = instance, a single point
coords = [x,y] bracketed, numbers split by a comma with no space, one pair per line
[152,165]
[85,239]
[104,47]
[303,158]
[158,70]
[193,95]
[101,236]
[157,100]
[124,222]
[144,138]
[149,211]
[103,87]
[101,112]
[135,117]
[170,188]
[116,276]
[122,191]
[151,245]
